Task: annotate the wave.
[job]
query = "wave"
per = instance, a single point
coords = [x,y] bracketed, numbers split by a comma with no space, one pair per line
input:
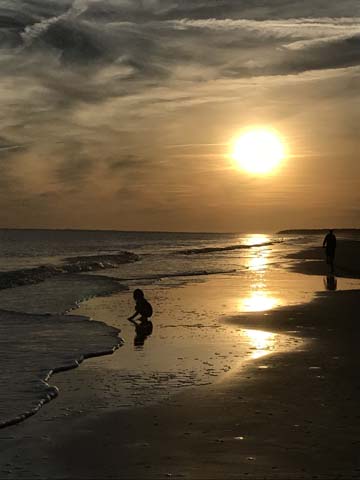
[52,344]
[59,294]
[79,264]
[51,392]
[194,251]
[159,276]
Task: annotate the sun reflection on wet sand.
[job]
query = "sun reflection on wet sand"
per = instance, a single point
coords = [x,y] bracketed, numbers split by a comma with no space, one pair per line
[192,343]
[258,301]
[262,342]
[259,298]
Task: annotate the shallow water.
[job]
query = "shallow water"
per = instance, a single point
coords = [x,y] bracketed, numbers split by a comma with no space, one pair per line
[36,340]
[191,344]
[48,342]
[56,295]
[31,248]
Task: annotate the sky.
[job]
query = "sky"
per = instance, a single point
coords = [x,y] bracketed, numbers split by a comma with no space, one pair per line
[119,114]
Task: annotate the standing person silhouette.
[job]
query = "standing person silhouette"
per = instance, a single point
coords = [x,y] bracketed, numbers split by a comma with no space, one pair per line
[330,244]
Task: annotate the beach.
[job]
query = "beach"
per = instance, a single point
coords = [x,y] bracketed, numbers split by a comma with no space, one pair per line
[179,239]
[281,401]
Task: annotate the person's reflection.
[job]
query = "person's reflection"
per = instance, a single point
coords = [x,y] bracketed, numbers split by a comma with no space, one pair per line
[142,331]
[330,282]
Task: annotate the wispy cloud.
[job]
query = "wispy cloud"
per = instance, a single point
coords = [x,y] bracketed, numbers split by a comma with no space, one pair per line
[98,92]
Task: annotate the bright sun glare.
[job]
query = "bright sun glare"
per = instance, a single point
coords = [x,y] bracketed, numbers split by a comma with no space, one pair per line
[258,151]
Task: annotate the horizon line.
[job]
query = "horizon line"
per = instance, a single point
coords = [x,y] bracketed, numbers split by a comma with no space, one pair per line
[110,230]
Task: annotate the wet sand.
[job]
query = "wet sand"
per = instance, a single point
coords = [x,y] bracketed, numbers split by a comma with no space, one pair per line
[296,418]
[291,414]
[347,260]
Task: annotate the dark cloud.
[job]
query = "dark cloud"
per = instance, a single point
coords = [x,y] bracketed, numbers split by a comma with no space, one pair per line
[140,35]
[333,54]
[7,145]
[142,10]
[125,162]
[74,170]
[68,47]
[74,165]
[75,43]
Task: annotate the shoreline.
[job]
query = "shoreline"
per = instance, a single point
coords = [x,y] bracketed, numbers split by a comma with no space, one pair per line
[218,404]
[257,423]
[288,415]
[52,390]
[28,388]
[311,260]
[182,353]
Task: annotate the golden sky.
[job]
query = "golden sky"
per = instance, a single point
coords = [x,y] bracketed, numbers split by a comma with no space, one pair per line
[120,114]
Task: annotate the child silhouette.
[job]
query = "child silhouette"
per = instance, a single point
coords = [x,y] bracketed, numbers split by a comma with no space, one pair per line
[142,306]
[144,309]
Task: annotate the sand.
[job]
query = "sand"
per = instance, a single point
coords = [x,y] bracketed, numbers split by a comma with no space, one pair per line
[287,415]
[347,260]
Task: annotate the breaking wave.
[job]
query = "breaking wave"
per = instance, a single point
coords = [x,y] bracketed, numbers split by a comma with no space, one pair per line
[195,273]
[91,263]
[194,251]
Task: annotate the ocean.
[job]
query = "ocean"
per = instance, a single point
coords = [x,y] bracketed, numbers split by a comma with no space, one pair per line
[53,283]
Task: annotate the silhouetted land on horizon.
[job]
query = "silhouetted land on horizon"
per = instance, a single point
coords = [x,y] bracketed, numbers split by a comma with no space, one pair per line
[315,231]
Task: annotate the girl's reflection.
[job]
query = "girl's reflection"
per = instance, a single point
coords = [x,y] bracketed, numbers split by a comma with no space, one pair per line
[142,331]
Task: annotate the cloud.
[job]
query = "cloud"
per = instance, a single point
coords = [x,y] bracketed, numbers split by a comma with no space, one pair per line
[93,51]
[88,50]
[6,146]
[129,161]
[138,10]
[92,90]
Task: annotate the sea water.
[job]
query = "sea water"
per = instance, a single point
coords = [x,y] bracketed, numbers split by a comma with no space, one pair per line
[46,274]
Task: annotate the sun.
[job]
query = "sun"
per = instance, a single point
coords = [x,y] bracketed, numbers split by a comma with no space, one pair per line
[258,151]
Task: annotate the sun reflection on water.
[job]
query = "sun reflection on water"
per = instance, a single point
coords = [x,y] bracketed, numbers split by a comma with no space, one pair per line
[258,263]
[259,298]
[262,342]
[258,259]
[259,301]
[257,239]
